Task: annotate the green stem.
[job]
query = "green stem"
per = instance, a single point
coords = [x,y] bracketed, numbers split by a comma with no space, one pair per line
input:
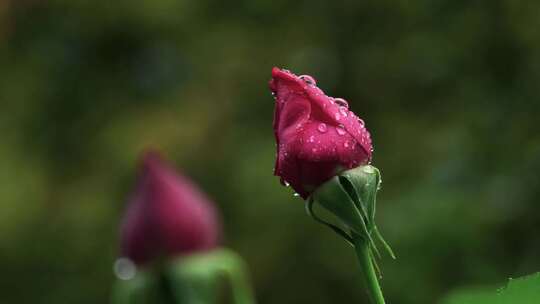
[166,287]
[236,270]
[363,252]
[242,293]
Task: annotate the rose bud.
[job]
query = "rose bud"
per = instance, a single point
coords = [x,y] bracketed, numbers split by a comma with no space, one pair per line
[317,135]
[166,216]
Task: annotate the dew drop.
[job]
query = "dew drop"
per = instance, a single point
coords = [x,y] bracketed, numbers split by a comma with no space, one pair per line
[343,110]
[342,102]
[296,194]
[124,269]
[308,79]
[368,169]
[341,130]
[322,127]
[346,144]
[286,184]
[311,139]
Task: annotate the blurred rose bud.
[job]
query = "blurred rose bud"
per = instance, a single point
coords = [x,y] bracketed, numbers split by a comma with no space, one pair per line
[166,216]
[317,135]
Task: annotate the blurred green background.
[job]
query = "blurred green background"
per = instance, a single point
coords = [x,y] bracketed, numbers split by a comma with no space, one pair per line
[448,89]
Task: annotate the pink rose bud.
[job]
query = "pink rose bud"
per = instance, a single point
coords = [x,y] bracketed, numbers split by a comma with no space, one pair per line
[317,135]
[166,216]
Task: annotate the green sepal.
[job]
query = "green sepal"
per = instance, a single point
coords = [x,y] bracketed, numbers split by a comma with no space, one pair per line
[366,181]
[351,197]
[191,279]
[200,276]
[333,197]
[141,289]
[336,229]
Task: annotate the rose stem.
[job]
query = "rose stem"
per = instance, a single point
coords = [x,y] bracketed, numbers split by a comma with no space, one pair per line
[362,248]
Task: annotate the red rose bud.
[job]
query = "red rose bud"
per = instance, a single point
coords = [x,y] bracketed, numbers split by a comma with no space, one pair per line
[166,216]
[317,135]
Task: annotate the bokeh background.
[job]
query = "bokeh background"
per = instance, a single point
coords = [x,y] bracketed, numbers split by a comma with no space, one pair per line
[448,89]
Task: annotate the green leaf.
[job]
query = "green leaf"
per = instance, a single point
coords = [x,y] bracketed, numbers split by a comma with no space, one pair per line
[524,290]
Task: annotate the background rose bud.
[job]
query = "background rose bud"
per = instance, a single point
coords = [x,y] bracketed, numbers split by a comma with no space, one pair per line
[317,135]
[167,215]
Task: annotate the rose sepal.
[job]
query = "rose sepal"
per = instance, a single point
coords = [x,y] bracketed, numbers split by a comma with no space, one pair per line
[351,197]
[192,279]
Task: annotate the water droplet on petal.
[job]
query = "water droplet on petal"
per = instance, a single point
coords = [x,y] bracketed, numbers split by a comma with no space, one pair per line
[322,127]
[341,102]
[311,139]
[343,110]
[341,130]
[308,79]
[296,194]
[346,144]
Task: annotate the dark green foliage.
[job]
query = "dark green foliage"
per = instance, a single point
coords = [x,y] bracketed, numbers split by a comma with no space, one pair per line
[448,89]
